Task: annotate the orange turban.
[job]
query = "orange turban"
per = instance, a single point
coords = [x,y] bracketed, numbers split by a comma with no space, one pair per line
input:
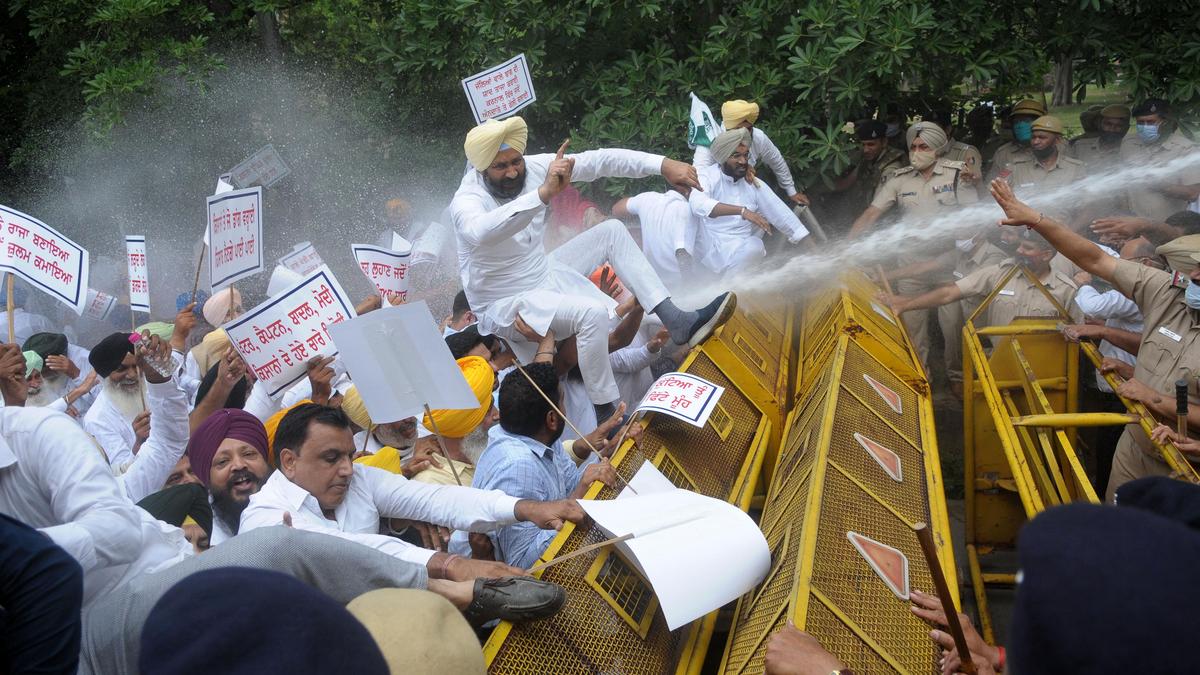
[459,423]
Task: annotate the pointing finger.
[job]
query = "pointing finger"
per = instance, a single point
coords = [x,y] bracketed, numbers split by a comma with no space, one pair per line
[562,148]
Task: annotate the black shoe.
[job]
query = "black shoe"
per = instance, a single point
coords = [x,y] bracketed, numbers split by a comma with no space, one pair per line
[514,599]
[712,317]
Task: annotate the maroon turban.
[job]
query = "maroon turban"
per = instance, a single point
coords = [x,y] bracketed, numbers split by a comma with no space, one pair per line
[224,423]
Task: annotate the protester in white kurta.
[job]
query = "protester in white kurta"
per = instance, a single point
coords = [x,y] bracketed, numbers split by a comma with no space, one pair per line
[508,274]
[731,242]
[668,232]
[149,469]
[761,148]
[112,430]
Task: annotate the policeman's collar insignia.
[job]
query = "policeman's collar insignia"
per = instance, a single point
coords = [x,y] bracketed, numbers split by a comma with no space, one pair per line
[1180,280]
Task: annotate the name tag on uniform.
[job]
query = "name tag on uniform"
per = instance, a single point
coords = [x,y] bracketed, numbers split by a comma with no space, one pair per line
[958,275]
[1170,333]
[948,187]
[908,194]
[1008,291]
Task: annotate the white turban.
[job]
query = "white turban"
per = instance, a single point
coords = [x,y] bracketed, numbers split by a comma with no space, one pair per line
[728,141]
[484,141]
[932,134]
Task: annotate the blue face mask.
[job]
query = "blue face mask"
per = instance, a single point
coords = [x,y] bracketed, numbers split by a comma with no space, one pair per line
[1023,130]
[1191,297]
[1148,133]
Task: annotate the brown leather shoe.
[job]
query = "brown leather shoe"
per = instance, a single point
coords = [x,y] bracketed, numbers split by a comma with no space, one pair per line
[514,599]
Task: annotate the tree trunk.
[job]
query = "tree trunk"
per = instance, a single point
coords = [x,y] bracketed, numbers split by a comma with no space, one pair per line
[1064,82]
[268,30]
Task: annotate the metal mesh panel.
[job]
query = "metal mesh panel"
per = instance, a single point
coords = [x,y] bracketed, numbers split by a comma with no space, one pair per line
[843,576]
[859,363]
[624,588]
[761,611]
[840,640]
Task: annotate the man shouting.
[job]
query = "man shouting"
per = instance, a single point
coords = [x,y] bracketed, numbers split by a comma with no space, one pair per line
[499,219]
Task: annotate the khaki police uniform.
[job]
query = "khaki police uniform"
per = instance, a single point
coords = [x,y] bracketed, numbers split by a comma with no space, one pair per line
[1019,297]
[968,155]
[1145,201]
[915,196]
[850,203]
[1095,156]
[953,316]
[1170,351]
[1029,176]
[1004,156]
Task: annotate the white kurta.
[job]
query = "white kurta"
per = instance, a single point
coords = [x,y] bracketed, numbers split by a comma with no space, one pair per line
[169,430]
[761,147]
[52,479]
[111,430]
[667,227]
[729,242]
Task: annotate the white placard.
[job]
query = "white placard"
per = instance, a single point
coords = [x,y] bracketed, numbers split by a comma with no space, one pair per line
[499,92]
[234,235]
[684,396]
[303,259]
[45,258]
[387,270]
[698,553]
[278,337]
[139,273]
[99,305]
[400,363]
[264,168]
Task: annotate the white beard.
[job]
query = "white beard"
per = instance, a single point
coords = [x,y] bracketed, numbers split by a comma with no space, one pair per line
[127,401]
[51,391]
[474,443]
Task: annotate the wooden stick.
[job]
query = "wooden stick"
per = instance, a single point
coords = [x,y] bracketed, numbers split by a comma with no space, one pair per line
[9,309]
[554,407]
[1181,409]
[199,264]
[578,552]
[925,536]
[887,286]
[367,437]
[441,444]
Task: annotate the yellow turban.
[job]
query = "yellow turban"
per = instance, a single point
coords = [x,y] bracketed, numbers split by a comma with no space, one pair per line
[388,459]
[459,423]
[353,406]
[484,141]
[734,113]
[272,426]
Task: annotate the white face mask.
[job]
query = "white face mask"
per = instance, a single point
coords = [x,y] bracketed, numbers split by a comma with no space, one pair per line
[964,245]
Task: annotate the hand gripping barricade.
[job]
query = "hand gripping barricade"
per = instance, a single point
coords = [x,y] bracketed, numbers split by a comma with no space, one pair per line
[858,470]
[1020,416]
[611,621]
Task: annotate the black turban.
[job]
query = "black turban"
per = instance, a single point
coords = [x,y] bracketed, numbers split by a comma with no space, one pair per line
[46,344]
[108,354]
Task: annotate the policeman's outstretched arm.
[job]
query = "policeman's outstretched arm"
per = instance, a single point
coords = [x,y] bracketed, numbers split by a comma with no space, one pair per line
[1080,251]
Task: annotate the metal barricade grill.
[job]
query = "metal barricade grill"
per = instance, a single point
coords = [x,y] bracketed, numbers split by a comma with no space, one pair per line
[1019,422]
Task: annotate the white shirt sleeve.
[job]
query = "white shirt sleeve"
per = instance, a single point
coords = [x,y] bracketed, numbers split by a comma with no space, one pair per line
[703,203]
[259,404]
[100,527]
[631,359]
[459,508]
[615,163]
[1110,304]
[780,215]
[774,159]
[111,440]
[169,431]
[702,157]
[270,516]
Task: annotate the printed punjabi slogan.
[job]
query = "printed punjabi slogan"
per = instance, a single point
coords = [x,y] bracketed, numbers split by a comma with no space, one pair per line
[139,273]
[388,270]
[278,337]
[501,91]
[234,236]
[45,258]
[99,305]
[683,396]
[303,259]
[264,168]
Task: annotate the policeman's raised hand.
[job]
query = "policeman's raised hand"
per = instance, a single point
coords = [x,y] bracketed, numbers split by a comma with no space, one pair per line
[1017,211]
[681,175]
[558,174]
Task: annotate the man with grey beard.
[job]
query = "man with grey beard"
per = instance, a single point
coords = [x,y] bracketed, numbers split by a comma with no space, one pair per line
[118,419]
[65,374]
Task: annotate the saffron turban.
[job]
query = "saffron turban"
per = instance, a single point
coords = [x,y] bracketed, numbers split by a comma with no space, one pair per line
[932,134]
[485,141]
[222,306]
[33,361]
[734,113]
[108,354]
[224,423]
[460,423]
[355,409]
[728,141]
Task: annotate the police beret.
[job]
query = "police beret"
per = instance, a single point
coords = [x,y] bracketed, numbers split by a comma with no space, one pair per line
[1029,106]
[46,344]
[1049,123]
[939,115]
[1151,106]
[108,354]
[870,130]
[1181,253]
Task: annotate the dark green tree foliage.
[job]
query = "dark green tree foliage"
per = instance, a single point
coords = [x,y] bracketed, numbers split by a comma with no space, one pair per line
[606,72]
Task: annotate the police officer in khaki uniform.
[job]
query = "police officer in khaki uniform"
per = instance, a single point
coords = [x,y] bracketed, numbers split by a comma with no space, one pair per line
[1045,168]
[1019,297]
[1170,348]
[958,151]
[928,187]
[1103,151]
[1156,143]
[876,160]
[1022,117]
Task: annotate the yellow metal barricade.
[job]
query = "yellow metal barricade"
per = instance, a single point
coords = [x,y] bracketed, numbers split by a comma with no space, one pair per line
[859,468]
[611,621]
[1020,413]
